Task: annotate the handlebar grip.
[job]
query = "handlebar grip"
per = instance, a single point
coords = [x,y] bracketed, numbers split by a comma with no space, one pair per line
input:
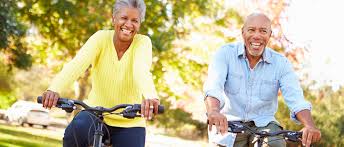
[39,99]
[161,109]
[59,101]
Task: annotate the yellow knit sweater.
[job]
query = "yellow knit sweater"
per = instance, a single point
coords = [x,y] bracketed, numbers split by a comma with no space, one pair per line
[114,81]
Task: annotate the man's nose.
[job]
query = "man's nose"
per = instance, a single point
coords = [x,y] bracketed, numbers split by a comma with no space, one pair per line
[256,35]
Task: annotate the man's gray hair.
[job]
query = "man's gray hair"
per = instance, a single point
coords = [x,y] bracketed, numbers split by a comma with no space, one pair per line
[139,4]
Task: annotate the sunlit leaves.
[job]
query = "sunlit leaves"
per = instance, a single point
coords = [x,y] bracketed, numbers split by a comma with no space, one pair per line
[12,31]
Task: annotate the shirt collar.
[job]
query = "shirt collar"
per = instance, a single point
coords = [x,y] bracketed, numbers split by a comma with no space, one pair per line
[266,54]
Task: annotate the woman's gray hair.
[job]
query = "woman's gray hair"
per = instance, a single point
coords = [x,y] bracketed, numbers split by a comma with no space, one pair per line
[139,4]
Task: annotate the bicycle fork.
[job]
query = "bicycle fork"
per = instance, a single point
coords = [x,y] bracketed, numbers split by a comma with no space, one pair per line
[98,135]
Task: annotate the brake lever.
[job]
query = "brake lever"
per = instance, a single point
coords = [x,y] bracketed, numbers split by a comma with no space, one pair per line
[131,111]
[129,115]
[293,136]
[68,106]
[236,127]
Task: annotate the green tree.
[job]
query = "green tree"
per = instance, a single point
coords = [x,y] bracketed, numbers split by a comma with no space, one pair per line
[12,32]
[13,51]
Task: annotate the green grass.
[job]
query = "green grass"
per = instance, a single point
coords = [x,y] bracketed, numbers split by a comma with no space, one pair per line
[12,136]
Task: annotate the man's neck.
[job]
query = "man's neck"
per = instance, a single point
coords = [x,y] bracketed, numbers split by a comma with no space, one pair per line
[253,60]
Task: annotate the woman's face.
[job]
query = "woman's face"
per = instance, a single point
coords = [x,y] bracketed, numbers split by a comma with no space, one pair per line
[126,24]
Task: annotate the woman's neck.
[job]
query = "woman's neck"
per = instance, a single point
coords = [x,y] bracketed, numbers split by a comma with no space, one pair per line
[121,47]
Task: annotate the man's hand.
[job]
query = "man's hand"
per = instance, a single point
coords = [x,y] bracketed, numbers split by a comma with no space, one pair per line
[214,116]
[49,99]
[219,120]
[149,106]
[310,135]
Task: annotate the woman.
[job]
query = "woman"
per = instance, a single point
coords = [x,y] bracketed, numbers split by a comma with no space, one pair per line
[121,61]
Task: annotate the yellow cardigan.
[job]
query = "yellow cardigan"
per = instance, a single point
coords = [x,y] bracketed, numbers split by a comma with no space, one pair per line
[114,81]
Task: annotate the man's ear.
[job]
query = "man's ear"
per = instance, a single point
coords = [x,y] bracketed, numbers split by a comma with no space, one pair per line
[270,33]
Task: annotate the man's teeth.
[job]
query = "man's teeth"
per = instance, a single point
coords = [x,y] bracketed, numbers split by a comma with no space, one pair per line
[255,45]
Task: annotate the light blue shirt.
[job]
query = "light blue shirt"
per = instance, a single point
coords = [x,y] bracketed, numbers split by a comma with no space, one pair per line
[247,94]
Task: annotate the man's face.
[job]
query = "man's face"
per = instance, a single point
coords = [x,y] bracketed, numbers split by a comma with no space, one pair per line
[256,34]
[126,23]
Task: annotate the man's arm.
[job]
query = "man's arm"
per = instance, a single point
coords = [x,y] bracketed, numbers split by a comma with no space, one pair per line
[300,109]
[214,116]
[213,89]
[309,132]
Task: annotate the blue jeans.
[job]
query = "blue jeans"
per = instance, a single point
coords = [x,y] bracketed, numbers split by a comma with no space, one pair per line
[79,133]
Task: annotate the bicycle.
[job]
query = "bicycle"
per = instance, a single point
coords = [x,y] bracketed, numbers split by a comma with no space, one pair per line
[130,111]
[240,127]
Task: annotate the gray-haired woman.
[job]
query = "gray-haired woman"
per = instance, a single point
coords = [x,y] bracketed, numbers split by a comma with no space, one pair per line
[121,61]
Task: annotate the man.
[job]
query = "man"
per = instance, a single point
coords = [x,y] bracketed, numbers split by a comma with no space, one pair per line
[243,83]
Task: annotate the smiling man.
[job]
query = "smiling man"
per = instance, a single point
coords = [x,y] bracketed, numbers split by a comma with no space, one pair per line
[243,83]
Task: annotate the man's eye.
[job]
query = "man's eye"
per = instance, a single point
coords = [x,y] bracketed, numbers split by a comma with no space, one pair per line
[250,30]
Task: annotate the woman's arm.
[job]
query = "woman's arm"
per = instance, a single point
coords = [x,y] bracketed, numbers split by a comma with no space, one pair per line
[77,66]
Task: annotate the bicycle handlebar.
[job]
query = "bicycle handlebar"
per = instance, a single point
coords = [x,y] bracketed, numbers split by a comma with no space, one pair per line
[129,112]
[238,127]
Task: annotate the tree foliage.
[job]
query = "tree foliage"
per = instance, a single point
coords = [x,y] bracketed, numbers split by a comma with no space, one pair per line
[12,30]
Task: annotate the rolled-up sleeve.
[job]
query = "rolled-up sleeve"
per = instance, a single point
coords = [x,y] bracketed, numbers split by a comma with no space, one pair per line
[217,73]
[292,91]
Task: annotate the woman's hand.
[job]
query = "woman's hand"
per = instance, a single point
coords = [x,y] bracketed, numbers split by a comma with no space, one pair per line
[149,106]
[49,99]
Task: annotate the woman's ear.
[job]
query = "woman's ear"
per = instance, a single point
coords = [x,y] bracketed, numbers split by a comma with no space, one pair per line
[113,20]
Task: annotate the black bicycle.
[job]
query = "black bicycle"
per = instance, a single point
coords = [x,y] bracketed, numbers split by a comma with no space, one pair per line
[129,111]
[239,127]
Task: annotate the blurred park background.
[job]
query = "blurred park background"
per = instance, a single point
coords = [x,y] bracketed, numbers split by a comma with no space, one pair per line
[38,36]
